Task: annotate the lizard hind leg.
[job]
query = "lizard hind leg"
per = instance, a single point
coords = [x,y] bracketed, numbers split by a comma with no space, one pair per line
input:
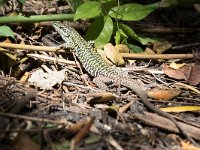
[101,82]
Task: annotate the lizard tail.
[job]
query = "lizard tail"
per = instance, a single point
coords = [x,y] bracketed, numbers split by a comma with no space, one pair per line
[137,88]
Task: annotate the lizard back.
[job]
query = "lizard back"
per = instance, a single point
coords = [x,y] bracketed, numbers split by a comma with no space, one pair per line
[96,66]
[87,54]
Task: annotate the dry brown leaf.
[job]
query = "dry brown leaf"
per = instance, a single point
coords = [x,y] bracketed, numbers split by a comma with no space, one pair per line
[84,130]
[176,66]
[125,107]
[188,146]
[188,73]
[24,142]
[194,78]
[122,48]
[163,94]
[160,47]
[176,73]
[103,97]
[181,108]
[104,57]
[131,62]
[185,86]
[148,51]
[7,41]
[113,54]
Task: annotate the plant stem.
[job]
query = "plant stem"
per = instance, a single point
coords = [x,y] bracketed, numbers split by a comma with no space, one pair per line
[36,18]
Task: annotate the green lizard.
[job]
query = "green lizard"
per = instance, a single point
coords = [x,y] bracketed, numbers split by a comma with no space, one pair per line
[97,67]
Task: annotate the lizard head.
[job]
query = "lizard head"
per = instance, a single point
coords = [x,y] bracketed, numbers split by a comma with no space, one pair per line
[71,37]
[65,32]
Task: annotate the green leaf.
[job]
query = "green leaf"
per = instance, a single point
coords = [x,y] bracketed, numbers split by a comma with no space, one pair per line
[120,37]
[107,5]
[88,10]
[22,1]
[105,35]
[95,29]
[100,31]
[6,31]
[92,138]
[129,32]
[3,1]
[65,145]
[130,12]
[134,48]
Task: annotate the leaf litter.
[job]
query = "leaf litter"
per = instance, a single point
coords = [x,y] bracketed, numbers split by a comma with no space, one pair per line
[60,105]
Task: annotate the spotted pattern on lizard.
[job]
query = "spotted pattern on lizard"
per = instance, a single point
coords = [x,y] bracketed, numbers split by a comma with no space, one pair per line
[97,67]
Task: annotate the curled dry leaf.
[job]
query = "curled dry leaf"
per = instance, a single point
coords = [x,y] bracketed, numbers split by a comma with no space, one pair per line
[160,47]
[148,51]
[185,86]
[25,142]
[113,55]
[176,66]
[181,108]
[122,48]
[188,146]
[188,72]
[101,52]
[103,97]
[163,94]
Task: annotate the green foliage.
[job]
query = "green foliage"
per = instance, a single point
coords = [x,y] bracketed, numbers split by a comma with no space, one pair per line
[130,12]
[134,48]
[108,13]
[62,146]
[104,13]
[120,37]
[22,1]
[100,31]
[87,10]
[6,31]
[3,1]
[106,32]
[130,33]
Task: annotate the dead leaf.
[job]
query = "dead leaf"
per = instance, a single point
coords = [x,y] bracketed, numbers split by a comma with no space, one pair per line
[7,41]
[163,94]
[125,107]
[176,73]
[160,47]
[194,78]
[185,86]
[181,108]
[131,62]
[188,146]
[84,130]
[24,142]
[188,72]
[148,51]
[176,66]
[113,108]
[113,54]
[101,52]
[122,48]
[46,80]
[103,97]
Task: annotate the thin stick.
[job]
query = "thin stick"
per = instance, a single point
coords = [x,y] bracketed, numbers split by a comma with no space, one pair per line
[34,119]
[125,55]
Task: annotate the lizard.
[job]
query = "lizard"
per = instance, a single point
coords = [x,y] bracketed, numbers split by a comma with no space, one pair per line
[93,63]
